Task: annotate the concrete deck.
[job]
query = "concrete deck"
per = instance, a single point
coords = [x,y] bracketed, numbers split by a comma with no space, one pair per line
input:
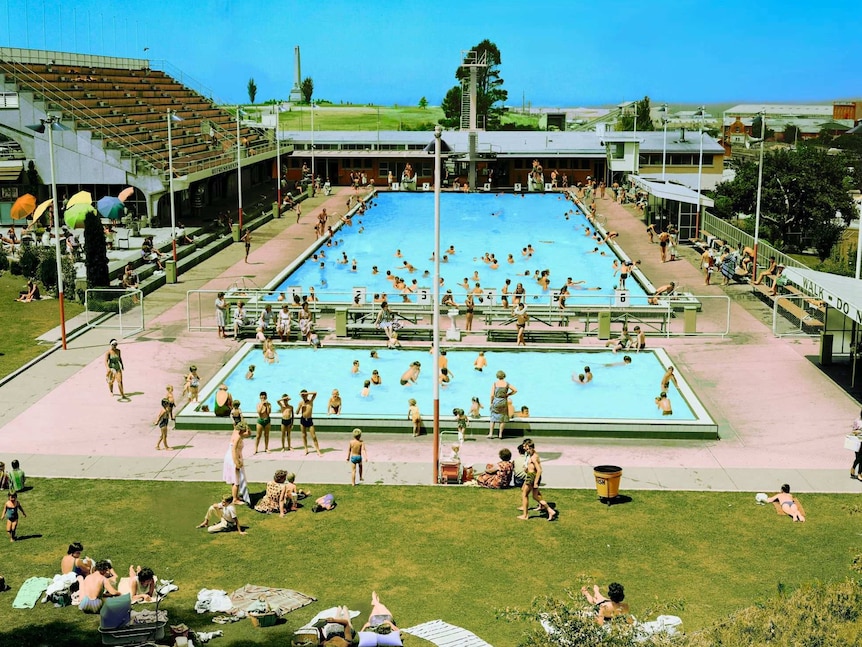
[780,418]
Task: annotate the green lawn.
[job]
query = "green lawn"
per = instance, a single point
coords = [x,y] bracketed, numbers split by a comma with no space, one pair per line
[24,322]
[454,553]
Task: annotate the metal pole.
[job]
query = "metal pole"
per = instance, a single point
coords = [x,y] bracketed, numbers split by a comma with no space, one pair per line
[759,193]
[312,147]
[277,163]
[664,150]
[438,132]
[859,248]
[171,186]
[699,175]
[50,125]
[238,170]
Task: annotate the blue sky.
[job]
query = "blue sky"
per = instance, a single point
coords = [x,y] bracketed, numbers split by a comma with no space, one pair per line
[569,53]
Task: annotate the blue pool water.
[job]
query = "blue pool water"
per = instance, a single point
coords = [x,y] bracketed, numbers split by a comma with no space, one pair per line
[543,380]
[405,222]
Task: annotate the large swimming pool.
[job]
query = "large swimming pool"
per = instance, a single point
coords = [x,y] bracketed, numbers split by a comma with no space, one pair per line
[398,232]
[619,395]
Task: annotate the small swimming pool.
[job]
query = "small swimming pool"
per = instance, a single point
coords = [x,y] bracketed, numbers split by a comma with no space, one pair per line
[504,225]
[619,401]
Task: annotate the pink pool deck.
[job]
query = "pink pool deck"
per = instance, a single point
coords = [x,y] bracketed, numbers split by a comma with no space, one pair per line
[780,418]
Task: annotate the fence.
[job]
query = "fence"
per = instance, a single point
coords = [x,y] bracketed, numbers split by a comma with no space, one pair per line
[127,305]
[583,315]
[738,238]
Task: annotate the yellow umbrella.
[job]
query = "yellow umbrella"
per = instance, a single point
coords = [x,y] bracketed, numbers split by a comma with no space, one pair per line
[81,197]
[42,208]
[23,207]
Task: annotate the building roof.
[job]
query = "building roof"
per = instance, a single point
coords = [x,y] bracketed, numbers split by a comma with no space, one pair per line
[843,293]
[516,143]
[670,190]
[815,110]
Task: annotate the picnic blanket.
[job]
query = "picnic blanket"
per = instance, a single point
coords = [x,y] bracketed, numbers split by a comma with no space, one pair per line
[30,592]
[445,635]
[279,600]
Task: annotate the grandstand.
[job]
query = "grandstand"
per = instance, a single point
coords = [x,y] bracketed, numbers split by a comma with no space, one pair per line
[116,112]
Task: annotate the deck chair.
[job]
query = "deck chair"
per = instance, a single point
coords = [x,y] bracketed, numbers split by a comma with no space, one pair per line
[121,237]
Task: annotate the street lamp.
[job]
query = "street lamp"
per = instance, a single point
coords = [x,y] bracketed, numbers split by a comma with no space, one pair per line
[759,193]
[172,116]
[52,123]
[702,112]
[312,148]
[239,168]
[663,111]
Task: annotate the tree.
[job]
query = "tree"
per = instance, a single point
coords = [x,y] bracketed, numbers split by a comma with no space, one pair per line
[307,89]
[423,103]
[252,90]
[757,128]
[803,190]
[791,134]
[95,252]
[644,118]
[490,94]
[451,106]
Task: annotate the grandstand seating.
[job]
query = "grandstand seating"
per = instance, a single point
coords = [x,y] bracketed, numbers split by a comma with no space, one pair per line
[126,108]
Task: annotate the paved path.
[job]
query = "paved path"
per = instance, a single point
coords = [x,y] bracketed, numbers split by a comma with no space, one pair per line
[780,418]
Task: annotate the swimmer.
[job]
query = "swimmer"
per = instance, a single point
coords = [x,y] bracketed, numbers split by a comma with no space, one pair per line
[355,368]
[366,389]
[250,374]
[375,378]
[411,375]
[663,403]
[334,406]
[480,362]
[668,378]
[626,361]
[475,408]
[588,375]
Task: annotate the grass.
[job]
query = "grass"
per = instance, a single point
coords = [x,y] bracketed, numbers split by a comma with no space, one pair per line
[453,553]
[24,322]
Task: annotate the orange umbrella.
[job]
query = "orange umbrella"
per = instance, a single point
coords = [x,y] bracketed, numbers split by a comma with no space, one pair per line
[81,197]
[42,208]
[125,194]
[23,207]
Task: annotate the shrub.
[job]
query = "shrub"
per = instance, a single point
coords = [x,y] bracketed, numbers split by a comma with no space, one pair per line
[95,252]
[15,267]
[70,273]
[29,261]
[4,260]
[48,268]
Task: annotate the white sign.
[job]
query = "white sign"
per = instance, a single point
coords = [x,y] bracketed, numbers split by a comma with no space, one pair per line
[423,296]
[621,297]
[358,296]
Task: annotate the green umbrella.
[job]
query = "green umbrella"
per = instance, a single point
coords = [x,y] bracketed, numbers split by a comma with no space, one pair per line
[77,214]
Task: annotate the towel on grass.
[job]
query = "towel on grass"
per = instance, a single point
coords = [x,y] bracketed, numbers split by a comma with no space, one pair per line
[30,592]
[60,583]
[279,600]
[446,635]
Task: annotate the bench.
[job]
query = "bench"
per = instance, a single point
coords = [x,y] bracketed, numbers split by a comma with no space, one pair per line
[534,335]
[406,333]
[790,309]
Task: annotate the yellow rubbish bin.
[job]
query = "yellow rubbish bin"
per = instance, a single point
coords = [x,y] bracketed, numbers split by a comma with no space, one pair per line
[608,482]
[690,320]
[341,322]
[604,325]
[234,230]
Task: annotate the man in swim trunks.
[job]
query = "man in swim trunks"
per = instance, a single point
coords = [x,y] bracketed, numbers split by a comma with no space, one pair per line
[114,368]
[95,586]
[286,410]
[667,378]
[264,422]
[306,419]
[411,375]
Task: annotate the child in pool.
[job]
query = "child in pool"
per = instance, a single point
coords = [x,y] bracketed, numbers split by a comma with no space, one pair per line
[480,362]
[366,389]
[250,374]
[475,408]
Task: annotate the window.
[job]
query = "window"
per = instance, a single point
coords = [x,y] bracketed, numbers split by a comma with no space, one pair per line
[618,151]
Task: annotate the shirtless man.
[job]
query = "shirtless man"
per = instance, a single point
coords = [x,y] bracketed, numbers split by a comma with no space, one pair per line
[665,289]
[769,271]
[411,375]
[668,378]
[306,419]
[95,586]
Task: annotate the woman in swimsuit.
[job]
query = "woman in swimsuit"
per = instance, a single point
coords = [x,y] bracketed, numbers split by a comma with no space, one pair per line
[611,607]
[470,304]
[162,421]
[193,383]
[114,367]
[533,469]
[501,390]
[380,620]
[10,511]
[264,423]
[223,402]
[236,413]
[788,504]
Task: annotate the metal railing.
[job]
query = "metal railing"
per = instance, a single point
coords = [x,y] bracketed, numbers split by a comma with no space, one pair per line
[126,304]
[735,237]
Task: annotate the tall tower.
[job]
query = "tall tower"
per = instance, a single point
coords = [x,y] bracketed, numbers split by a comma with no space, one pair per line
[295,92]
[472,60]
